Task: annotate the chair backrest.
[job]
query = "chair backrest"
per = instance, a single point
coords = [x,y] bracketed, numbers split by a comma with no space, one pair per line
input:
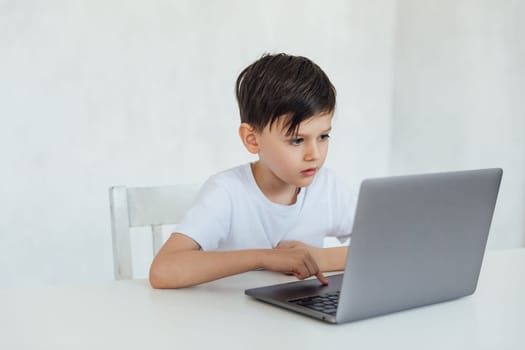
[144,206]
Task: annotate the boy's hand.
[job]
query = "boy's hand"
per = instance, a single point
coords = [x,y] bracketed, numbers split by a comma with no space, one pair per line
[314,251]
[296,258]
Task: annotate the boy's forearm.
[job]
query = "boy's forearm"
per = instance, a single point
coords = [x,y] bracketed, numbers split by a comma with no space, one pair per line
[332,259]
[188,268]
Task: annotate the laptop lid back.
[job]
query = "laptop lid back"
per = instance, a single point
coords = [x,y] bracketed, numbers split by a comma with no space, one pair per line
[417,240]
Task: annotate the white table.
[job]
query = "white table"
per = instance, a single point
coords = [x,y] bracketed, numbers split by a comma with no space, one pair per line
[131,315]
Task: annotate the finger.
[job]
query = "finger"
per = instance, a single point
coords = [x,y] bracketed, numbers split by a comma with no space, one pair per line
[301,272]
[283,245]
[313,268]
[311,265]
[322,278]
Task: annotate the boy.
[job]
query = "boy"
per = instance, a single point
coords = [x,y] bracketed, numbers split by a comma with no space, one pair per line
[273,213]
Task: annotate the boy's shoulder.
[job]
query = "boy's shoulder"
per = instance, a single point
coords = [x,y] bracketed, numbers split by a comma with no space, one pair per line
[328,183]
[325,176]
[238,171]
[231,178]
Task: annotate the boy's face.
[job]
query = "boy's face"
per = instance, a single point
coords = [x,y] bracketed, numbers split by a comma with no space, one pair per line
[294,159]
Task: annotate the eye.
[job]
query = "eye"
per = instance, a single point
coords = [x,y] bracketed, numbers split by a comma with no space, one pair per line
[324,137]
[296,141]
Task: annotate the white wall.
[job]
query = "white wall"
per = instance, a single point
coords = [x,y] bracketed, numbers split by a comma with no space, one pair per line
[459,83]
[99,93]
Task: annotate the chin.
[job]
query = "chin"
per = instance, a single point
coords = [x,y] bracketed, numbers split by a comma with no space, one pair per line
[305,182]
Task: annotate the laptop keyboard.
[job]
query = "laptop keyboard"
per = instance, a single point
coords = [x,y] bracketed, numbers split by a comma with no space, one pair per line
[326,303]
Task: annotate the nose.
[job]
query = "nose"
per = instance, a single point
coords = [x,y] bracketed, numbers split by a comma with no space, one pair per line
[312,151]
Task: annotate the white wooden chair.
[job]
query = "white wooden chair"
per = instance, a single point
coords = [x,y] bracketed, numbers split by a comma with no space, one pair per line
[144,206]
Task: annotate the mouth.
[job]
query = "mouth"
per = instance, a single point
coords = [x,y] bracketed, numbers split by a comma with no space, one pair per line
[309,172]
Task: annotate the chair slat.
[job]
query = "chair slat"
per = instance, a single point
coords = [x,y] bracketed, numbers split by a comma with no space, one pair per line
[120,233]
[160,205]
[157,238]
[144,206]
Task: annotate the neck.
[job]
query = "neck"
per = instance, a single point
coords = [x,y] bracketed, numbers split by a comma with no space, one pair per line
[273,188]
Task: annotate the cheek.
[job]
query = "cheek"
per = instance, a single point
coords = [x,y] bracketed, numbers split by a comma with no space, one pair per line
[325,148]
[271,153]
[281,158]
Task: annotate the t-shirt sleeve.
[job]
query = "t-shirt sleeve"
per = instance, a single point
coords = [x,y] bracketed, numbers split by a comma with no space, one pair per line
[208,220]
[344,210]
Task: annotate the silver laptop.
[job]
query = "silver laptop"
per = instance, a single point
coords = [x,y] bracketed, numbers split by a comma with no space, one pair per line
[416,240]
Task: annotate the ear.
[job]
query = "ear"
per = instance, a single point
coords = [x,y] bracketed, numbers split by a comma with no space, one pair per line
[249,137]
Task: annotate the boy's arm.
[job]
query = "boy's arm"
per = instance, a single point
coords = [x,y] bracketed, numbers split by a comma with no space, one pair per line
[181,263]
[328,259]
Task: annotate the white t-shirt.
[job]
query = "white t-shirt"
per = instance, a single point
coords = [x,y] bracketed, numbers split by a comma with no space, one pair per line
[231,213]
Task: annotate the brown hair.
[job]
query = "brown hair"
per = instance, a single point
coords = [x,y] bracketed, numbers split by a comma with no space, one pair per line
[283,85]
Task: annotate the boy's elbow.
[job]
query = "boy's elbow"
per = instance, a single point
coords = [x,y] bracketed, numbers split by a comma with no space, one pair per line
[156,278]
[162,277]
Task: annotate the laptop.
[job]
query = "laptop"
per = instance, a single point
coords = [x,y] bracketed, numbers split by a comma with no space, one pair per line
[416,240]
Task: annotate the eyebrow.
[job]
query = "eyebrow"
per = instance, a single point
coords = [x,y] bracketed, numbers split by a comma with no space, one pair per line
[322,132]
